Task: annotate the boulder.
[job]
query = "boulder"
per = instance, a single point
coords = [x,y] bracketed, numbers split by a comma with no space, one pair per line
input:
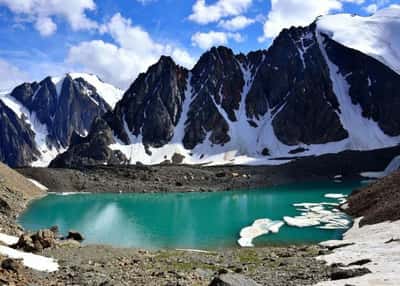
[339,273]
[74,235]
[230,279]
[38,241]
[11,265]
[177,158]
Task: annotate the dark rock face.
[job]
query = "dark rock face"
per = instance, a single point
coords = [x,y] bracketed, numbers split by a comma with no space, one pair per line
[91,150]
[373,86]
[72,110]
[217,81]
[293,84]
[288,86]
[17,144]
[152,105]
[69,110]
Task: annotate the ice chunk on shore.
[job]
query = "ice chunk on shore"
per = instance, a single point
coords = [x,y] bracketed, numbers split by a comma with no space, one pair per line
[258,228]
[30,260]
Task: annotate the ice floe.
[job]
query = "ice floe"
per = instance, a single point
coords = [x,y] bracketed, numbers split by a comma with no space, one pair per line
[322,215]
[258,228]
[335,196]
[373,242]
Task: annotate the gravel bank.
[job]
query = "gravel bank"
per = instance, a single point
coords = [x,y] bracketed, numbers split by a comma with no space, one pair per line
[183,178]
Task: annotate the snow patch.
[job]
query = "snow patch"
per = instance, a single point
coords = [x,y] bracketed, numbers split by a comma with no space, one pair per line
[8,239]
[48,153]
[108,92]
[377,35]
[39,185]
[30,260]
[364,134]
[368,242]
[393,166]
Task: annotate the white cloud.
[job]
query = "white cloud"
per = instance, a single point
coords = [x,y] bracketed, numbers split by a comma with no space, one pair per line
[133,52]
[45,26]
[236,23]
[287,13]
[204,14]
[43,12]
[10,75]
[212,38]
[145,2]
[373,7]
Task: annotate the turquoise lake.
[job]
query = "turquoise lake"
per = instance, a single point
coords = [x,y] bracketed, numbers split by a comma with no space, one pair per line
[183,220]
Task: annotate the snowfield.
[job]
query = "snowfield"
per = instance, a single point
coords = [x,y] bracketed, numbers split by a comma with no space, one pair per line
[372,242]
[377,36]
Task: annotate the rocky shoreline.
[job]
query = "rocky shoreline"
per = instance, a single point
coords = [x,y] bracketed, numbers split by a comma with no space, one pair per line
[105,265]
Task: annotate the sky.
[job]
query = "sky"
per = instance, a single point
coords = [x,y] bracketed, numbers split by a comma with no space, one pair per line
[118,39]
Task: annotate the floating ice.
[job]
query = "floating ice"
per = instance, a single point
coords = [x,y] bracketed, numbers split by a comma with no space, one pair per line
[301,221]
[258,228]
[322,215]
[335,196]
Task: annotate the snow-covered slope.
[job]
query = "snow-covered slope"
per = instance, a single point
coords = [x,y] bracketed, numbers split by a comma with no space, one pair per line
[108,92]
[377,35]
[326,88]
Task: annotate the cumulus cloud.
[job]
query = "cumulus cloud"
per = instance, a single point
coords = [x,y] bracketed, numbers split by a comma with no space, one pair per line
[204,14]
[212,38]
[10,75]
[43,12]
[236,23]
[373,7]
[45,26]
[287,13]
[133,52]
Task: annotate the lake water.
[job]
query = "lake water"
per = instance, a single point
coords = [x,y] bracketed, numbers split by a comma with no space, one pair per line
[182,220]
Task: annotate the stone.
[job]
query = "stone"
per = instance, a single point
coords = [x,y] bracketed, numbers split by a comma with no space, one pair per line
[338,274]
[11,265]
[177,158]
[230,279]
[74,235]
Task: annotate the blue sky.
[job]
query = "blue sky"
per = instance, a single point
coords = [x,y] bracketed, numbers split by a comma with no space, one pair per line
[119,39]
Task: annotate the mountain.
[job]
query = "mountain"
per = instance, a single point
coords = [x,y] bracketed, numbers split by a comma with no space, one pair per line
[40,118]
[310,93]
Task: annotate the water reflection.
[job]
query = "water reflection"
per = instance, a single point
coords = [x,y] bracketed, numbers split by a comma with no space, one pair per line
[208,220]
